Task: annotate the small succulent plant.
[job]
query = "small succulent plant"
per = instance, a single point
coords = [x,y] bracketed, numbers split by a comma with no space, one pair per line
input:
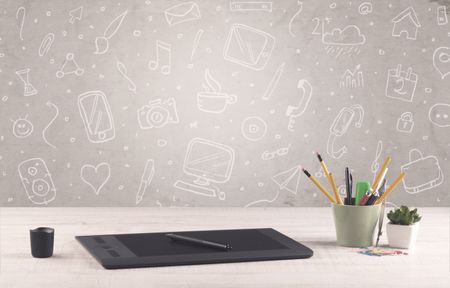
[404,216]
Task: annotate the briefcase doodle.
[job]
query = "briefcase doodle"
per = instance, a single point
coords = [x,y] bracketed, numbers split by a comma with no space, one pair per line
[422,173]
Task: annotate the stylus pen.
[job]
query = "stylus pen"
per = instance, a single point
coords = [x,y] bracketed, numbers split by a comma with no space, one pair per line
[199,242]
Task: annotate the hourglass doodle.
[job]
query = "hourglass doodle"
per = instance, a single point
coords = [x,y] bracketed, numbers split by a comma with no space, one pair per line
[28,88]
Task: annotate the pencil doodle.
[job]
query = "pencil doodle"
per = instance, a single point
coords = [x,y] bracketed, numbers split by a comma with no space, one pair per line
[268,155]
[424,173]
[20,18]
[163,57]
[212,99]
[441,17]
[340,126]
[196,42]
[295,111]
[210,162]
[75,14]
[46,44]
[22,127]
[146,179]
[37,181]
[97,117]
[401,84]
[291,21]
[352,79]
[95,177]
[28,88]
[439,115]
[244,6]
[248,46]
[157,114]
[405,123]
[273,82]
[365,8]
[253,128]
[69,66]
[406,23]
[50,104]
[123,71]
[288,180]
[441,61]
[102,42]
[181,13]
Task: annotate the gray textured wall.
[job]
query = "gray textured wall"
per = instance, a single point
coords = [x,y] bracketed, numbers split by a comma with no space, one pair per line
[216,103]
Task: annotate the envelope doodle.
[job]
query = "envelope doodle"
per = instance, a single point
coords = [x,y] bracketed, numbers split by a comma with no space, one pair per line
[184,12]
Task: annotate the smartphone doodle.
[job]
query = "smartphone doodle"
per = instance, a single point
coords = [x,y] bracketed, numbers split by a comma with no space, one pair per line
[97,117]
[37,181]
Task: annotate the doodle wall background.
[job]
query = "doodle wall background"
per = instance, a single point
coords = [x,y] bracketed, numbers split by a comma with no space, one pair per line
[217,103]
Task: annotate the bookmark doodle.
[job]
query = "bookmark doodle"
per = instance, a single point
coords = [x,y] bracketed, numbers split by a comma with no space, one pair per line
[146,179]
[50,104]
[20,18]
[102,42]
[123,71]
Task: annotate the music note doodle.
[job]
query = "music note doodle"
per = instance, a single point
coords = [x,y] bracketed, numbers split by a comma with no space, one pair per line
[163,58]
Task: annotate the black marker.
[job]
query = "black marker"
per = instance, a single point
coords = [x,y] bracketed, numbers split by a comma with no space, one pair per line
[199,242]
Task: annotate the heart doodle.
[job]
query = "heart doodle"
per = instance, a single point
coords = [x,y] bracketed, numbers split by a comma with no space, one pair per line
[95,176]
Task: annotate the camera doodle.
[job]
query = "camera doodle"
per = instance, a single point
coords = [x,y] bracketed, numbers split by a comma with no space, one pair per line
[158,114]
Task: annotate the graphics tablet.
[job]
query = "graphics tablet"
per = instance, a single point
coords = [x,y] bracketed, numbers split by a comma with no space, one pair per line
[156,249]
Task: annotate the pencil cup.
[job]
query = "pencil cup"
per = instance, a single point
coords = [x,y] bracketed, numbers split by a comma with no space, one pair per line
[355,225]
[42,242]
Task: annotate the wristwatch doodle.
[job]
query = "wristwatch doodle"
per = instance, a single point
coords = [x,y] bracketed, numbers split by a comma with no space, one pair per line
[340,126]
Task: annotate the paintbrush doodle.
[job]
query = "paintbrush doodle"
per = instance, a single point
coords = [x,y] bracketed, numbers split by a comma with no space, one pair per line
[102,42]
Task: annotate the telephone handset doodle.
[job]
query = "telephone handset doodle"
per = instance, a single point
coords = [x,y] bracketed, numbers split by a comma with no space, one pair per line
[296,111]
[340,126]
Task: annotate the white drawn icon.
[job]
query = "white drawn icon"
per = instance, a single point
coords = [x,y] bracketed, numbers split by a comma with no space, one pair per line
[102,42]
[146,179]
[376,162]
[95,176]
[273,83]
[46,44]
[20,18]
[158,114]
[253,128]
[405,123]
[69,66]
[212,100]
[248,47]
[181,13]
[295,111]
[365,8]
[441,61]
[28,88]
[406,23]
[97,117]
[345,41]
[196,42]
[441,17]
[352,79]
[422,173]
[439,115]
[291,21]
[401,84]
[268,155]
[22,127]
[123,71]
[163,57]
[244,6]
[288,180]
[259,203]
[340,126]
[75,14]
[210,162]
[37,181]
[50,104]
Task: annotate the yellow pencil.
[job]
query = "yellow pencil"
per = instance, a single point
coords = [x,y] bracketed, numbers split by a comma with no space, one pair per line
[392,187]
[380,173]
[321,188]
[330,179]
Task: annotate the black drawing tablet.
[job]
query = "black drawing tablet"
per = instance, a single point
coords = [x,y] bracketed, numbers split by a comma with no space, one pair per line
[155,249]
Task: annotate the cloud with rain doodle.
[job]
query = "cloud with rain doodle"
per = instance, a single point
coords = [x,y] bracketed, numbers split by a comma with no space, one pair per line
[350,35]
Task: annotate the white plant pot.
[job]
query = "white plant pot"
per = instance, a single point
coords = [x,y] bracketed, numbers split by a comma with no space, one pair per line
[402,236]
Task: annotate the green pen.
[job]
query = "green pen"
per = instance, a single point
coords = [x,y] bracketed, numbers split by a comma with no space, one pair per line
[361,188]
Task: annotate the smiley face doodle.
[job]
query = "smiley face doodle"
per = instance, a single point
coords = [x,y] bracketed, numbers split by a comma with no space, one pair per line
[22,127]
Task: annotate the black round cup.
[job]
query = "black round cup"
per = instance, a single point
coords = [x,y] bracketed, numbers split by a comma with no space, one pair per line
[42,242]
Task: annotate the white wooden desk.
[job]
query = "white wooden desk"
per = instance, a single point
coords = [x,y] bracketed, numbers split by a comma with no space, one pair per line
[331,266]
